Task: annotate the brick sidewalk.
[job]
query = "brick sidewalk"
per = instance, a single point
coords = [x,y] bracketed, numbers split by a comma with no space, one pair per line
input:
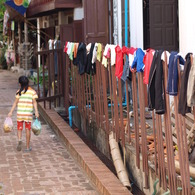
[47,169]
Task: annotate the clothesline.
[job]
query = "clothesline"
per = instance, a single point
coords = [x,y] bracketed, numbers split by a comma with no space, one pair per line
[138,58]
[147,61]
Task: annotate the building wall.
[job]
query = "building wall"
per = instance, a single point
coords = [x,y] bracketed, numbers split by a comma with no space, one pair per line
[186,16]
[78,13]
[136,23]
[186,26]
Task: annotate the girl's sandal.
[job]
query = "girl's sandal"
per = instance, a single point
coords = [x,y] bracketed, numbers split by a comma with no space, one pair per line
[19,147]
[28,149]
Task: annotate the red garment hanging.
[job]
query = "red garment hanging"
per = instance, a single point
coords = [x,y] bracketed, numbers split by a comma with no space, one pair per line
[65,47]
[147,62]
[119,62]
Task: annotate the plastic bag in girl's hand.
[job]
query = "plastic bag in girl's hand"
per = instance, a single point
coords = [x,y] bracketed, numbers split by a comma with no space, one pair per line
[8,125]
[36,127]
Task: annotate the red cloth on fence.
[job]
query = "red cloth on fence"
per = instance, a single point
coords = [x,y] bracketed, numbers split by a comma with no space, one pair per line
[119,62]
[147,62]
[65,47]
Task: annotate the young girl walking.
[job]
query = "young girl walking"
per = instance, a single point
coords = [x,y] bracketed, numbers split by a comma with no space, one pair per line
[25,100]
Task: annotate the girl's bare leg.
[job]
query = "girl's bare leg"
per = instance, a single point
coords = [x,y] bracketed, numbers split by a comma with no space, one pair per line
[28,135]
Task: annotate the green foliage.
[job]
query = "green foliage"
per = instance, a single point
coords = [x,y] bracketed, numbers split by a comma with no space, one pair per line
[34,77]
[2,10]
[3,62]
[25,3]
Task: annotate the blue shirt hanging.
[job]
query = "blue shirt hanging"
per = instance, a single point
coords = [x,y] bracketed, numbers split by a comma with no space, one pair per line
[172,83]
[138,60]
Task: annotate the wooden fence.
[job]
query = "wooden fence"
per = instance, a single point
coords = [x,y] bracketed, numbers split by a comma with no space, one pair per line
[50,76]
[99,98]
[165,140]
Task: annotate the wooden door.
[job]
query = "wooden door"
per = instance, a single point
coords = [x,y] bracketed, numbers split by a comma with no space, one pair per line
[146,19]
[66,33]
[78,31]
[96,21]
[162,27]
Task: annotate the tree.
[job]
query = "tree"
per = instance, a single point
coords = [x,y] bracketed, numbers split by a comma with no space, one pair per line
[2,10]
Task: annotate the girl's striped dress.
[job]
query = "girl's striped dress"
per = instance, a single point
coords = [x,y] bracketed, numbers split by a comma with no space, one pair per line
[25,105]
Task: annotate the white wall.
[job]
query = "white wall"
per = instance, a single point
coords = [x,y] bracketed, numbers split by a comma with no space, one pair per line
[136,23]
[119,23]
[78,13]
[186,26]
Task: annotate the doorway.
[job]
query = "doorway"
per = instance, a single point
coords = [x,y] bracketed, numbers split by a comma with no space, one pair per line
[160,22]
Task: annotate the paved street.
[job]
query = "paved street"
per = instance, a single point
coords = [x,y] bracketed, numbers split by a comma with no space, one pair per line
[47,169]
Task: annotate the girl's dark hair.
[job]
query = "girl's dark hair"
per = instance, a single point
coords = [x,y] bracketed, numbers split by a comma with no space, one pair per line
[24,82]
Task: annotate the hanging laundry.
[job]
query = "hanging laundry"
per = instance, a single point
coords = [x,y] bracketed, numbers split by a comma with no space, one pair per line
[156,99]
[109,53]
[66,47]
[50,43]
[126,71]
[147,62]
[94,55]
[88,47]
[182,105]
[131,55]
[71,52]
[75,53]
[131,58]
[90,68]
[138,60]
[163,56]
[119,62]
[132,50]
[104,59]
[191,86]
[172,83]
[112,54]
[81,58]
[125,50]
[69,48]
[75,49]
[99,52]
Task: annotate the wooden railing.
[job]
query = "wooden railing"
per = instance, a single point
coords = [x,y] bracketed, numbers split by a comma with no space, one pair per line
[161,141]
[50,76]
